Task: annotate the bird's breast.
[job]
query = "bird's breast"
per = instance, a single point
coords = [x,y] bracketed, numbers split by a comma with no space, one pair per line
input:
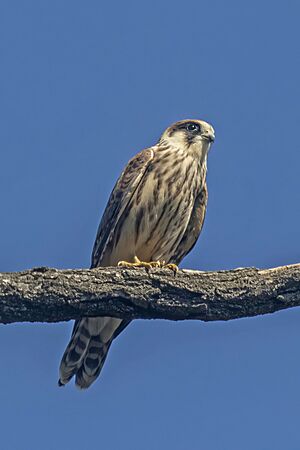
[159,211]
[163,204]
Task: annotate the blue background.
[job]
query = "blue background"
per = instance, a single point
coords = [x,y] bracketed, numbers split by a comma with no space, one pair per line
[84,86]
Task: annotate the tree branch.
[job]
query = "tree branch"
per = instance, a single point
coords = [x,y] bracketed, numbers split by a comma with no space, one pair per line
[50,295]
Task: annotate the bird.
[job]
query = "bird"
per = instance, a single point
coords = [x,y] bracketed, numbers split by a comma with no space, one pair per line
[153,218]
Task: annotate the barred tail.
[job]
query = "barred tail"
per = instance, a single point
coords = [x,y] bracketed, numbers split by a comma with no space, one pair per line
[92,363]
[87,350]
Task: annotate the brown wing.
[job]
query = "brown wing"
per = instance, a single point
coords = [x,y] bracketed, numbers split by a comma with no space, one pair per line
[118,201]
[194,227]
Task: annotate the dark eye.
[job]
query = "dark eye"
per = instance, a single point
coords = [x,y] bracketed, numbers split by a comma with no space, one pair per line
[194,127]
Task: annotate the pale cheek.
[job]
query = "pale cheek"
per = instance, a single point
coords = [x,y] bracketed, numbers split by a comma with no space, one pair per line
[199,149]
[178,139]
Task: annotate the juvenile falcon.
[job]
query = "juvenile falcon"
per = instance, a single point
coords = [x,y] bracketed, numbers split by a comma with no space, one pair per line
[153,217]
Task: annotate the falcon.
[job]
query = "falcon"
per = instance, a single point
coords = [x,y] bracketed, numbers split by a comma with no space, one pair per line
[153,218]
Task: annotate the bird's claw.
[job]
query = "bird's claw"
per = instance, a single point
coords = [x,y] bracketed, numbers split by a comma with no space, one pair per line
[146,265]
[149,265]
[172,267]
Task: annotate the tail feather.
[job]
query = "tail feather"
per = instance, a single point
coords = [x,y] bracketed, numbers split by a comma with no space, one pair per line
[74,352]
[92,363]
[87,350]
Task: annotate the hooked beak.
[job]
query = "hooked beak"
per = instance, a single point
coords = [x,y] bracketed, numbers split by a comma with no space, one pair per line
[208,137]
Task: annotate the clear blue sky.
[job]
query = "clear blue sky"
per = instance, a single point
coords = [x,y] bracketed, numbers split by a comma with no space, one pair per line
[84,86]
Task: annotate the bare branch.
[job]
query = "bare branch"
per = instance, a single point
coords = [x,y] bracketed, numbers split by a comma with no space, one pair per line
[50,295]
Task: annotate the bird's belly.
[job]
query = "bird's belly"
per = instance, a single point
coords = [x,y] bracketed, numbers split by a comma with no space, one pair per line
[157,219]
[162,227]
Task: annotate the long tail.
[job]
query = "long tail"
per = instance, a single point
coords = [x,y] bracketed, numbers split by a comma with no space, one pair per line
[87,350]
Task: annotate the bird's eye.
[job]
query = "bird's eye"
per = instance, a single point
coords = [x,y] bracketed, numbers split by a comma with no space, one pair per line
[192,126]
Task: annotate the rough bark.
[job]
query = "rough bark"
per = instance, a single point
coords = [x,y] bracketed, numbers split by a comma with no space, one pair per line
[50,295]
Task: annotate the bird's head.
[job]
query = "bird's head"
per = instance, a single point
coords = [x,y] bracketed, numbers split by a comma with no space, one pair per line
[194,135]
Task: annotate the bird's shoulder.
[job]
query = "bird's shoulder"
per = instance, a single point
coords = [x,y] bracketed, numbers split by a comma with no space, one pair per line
[134,168]
[119,199]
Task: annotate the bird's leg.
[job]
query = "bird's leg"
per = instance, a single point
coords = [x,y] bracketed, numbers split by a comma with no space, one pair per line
[148,265]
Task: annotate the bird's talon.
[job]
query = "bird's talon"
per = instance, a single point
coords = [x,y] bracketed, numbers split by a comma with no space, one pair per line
[172,267]
[145,265]
[149,265]
[125,264]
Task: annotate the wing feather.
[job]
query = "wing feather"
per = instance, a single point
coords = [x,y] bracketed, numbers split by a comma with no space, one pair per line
[194,227]
[124,188]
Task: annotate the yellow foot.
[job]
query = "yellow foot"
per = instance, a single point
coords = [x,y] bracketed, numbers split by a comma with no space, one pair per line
[148,265]
[137,263]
